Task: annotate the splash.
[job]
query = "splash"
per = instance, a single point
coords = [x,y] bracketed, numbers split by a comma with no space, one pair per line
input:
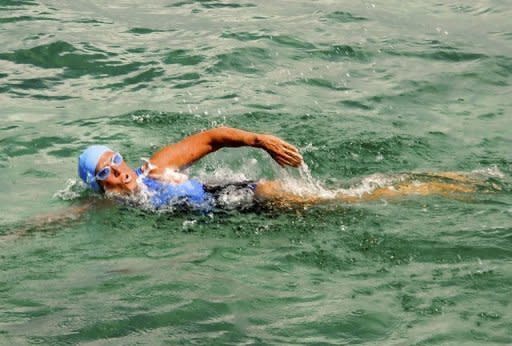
[371,183]
[304,184]
[72,190]
[490,172]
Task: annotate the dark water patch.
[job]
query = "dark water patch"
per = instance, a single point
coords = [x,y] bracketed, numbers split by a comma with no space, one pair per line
[245,36]
[34,83]
[437,134]
[190,76]
[438,45]
[344,17]
[23,19]
[37,37]
[10,127]
[31,312]
[91,21]
[182,3]
[341,52]
[86,123]
[503,66]
[14,146]
[75,63]
[62,153]
[228,97]
[136,50]
[196,316]
[53,97]
[188,84]
[451,55]
[141,78]
[143,31]
[9,4]
[243,60]
[33,172]
[356,327]
[182,57]
[210,4]
[20,94]
[323,83]
[91,48]
[490,115]
[219,4]
[264,106]
[355,104]
[291,42]
[281,40]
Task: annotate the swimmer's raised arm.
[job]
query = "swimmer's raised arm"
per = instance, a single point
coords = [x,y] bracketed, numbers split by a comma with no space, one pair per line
[192,148]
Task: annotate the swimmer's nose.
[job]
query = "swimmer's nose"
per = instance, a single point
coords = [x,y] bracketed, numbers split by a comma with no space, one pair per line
[116,171]
[127,178]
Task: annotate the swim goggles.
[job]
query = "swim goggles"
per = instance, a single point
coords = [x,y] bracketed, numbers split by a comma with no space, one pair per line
[104,173]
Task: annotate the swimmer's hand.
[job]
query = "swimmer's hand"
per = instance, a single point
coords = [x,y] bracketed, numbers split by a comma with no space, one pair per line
[285,154]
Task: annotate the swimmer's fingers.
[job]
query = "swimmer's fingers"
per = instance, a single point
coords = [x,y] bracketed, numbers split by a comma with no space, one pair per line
[292,159]
[282,152]
[287,160]
[295,155]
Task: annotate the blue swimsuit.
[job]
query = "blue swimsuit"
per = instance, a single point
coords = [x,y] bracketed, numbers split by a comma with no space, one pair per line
[192,193]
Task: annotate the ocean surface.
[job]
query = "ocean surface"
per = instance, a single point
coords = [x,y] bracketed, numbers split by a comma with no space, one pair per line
[366,89]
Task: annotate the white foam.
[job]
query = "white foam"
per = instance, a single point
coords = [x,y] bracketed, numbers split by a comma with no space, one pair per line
[224,175]
[305,184]
[491,172]
[71,191]
[233,197]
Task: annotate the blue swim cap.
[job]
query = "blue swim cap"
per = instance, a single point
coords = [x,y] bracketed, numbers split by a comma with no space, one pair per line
[87,163]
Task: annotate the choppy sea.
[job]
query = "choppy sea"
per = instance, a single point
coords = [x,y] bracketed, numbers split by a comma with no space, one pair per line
[365,89]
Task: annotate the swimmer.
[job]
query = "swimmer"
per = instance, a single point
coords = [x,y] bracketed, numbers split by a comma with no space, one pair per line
[161,181]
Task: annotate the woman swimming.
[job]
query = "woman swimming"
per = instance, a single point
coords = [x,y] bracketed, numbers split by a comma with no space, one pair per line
[161,181]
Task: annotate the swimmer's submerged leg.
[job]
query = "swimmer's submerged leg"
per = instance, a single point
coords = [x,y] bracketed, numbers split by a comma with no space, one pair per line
[275,193]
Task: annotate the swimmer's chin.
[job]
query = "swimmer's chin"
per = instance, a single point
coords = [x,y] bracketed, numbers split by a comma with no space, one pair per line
[133,188]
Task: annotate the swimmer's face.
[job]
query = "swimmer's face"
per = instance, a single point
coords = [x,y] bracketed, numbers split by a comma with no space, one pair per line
[122,179]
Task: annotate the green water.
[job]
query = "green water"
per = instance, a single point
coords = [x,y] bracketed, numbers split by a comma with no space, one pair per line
[362,87]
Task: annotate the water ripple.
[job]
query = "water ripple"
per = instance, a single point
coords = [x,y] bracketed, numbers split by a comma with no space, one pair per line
[344,17]
[182,57]
[75,62]
[244,60]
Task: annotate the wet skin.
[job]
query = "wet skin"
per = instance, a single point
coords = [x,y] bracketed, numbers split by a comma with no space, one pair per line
[122,178]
